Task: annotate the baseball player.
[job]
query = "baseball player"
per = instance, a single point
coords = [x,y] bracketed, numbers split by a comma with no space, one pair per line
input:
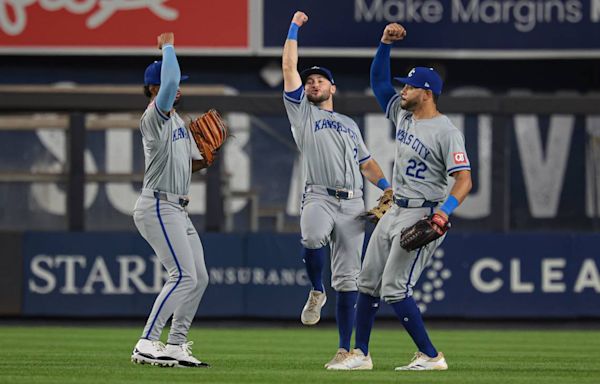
[428,150]
[161,217]
[335,159]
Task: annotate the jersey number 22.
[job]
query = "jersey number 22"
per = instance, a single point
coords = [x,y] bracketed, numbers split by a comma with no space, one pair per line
[416,169]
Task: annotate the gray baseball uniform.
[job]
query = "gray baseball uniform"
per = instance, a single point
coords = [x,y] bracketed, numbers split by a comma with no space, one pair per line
[162,220]
[332,150]
[427,152]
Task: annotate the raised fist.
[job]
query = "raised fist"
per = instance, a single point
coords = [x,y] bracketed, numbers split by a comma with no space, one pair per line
[165,38]
[393,32]
[300,18]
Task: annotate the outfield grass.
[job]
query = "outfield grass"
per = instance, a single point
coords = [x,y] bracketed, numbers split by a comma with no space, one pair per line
[296,355]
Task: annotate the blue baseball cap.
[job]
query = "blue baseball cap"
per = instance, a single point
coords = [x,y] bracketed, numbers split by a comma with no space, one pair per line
[152,74]
[423,77]
[319,71]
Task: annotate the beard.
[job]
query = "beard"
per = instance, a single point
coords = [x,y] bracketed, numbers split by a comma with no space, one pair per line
[409,105]
[318,99]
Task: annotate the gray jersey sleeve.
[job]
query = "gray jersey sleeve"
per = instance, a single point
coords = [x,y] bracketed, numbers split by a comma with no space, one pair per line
[453,145]
[297,107]
[153,124]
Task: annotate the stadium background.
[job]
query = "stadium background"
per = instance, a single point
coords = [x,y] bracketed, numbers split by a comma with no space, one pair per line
[521,82]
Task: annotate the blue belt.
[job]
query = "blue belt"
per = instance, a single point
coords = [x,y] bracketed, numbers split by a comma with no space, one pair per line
[163,196]
[339,194]
[405,203]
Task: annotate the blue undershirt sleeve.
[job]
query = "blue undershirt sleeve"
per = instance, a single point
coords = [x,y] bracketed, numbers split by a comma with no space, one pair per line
[295,95]
[381,78]
[170,75]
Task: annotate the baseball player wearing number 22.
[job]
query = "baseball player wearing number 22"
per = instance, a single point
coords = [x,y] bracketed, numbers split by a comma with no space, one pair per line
[429,148]
[335,159]
[161,217]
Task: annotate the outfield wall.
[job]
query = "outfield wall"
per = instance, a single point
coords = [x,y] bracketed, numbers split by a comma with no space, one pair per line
[473,275]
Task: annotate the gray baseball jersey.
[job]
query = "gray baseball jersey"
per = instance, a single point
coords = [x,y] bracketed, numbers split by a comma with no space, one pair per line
[332,150]
[162,220]
[167,152]
[427,152]
[331,144]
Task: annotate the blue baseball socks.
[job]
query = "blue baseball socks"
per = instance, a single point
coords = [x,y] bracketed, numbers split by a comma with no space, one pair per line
[366,309]
[410,316]
[314,260]
[344,314]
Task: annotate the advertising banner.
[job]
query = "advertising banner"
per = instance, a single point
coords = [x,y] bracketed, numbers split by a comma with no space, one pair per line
[126,26]
[456,28]
[262,276]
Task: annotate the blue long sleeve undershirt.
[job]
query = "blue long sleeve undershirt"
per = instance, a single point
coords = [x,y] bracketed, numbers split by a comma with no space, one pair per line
[381,78]
[170,75]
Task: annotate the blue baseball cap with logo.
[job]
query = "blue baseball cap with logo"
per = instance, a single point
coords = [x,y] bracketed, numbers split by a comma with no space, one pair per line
[423,77]
[317,71]
[152,74]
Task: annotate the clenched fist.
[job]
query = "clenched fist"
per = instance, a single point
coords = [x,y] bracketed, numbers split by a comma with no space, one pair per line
[165,38]
[393,32]
[300,18]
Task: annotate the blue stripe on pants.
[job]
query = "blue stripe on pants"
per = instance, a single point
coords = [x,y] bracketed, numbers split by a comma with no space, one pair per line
[162,225]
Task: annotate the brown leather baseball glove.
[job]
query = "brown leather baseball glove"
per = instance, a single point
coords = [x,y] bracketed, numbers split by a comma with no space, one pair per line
[424,231]
[209,132]
[384,204]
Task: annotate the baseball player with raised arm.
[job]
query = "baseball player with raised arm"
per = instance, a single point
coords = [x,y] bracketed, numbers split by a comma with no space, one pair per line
[160,215]
[334,158]
[429,148]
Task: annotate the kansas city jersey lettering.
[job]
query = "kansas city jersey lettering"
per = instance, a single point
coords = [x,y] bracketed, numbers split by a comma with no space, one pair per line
[331,144]
[332,124]
[180,133]
[414,143]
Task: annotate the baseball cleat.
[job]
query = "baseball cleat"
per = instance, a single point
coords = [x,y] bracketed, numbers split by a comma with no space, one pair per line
[355,361]
[422,362]
[311,313]
[182,353]
[340,356]
[151,352]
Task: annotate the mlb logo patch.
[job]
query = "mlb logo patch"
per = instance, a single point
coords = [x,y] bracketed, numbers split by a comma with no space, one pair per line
[459,158]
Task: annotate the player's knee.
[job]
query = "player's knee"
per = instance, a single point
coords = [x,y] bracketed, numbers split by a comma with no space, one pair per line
[189,281]
[202,280]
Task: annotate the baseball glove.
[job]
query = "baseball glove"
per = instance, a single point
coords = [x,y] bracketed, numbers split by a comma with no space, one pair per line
[384,204]
[424,231]
[209,132]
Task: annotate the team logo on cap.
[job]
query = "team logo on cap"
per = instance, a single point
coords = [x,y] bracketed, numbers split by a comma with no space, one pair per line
[411,73]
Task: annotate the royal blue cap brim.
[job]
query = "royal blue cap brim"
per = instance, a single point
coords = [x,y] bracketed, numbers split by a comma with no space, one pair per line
[405,80]
[411,81]
[184,77]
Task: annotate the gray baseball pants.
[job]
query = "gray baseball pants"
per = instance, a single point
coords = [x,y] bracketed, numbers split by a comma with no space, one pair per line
[167,227]
[388,270]
[328,220]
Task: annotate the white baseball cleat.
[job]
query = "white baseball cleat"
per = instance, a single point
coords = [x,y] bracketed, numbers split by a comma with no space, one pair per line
[355,361]
[182,353]
[151,352]
[311,313]
[422,362]
[339,356]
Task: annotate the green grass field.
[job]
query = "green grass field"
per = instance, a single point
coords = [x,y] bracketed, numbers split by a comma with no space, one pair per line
[296,355]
